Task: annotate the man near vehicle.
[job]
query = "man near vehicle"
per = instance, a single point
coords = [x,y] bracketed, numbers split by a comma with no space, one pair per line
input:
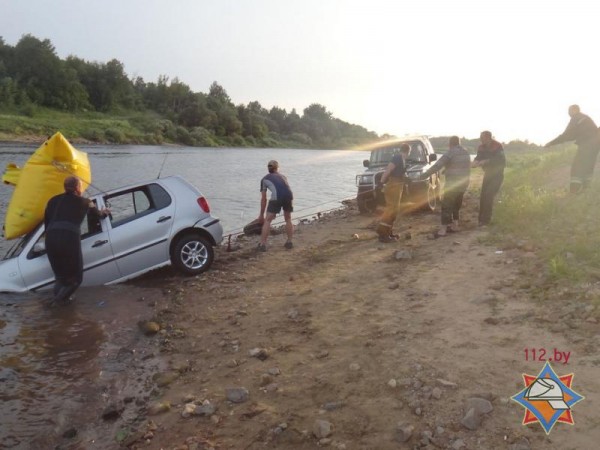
[393,179]
[490,157]
[281,198]
[585,133]
[62,219]
[457,164]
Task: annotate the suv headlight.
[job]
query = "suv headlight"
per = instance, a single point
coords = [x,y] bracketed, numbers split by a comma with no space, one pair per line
[364,179]
[414,175]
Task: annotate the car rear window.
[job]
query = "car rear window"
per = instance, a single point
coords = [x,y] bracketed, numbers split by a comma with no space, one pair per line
[129,205]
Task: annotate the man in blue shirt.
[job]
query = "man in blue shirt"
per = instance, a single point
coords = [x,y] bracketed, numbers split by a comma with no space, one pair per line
[281,198]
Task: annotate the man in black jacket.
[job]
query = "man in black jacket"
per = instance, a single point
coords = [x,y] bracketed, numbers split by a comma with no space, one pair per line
[62,219]
[585,133]
[490,157]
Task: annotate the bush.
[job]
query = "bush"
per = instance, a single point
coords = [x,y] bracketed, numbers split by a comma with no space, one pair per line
[203,138]
[93,134]
[115,136]
[301,138]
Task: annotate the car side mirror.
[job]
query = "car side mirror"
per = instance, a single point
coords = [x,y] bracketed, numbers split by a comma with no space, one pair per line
[366,163]
[433,157]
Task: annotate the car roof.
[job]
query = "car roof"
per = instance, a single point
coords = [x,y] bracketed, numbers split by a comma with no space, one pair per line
[395,141]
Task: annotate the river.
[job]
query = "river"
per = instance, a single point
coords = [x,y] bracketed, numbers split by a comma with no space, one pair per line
[228,177]
[58,366]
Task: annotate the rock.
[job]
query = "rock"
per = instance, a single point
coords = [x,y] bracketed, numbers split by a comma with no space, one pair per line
[149,328]
[206,409]
[354,366]
[332,406]
[471,420]
[446,383]
[188,410]
[265,379]
[393,286]
[403,432]
[402,255]
[322,429]
[491,320]
[436,393]
[274,371]
[458,444]
[158,408]
[392,383]
[113,411]
[323,354]
[237,395]
[260,353]
[324,442]
[164,379]
[70,433]
[481,405]
[292,314]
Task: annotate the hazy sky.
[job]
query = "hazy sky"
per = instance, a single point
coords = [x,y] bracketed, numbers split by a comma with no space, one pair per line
[437,67]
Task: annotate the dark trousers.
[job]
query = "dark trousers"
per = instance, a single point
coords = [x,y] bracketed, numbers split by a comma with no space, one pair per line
[583,164]
[452,201]
[490,186]
[64,253]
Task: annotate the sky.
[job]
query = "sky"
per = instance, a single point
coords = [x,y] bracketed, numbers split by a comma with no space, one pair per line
[435,67]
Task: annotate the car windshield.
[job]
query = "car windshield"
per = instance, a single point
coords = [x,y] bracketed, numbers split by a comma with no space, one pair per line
[16,249]
[383,155]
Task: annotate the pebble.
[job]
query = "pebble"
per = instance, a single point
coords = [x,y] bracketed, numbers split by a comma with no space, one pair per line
[392,383]
[354,366]
[481,406]
[403,432]
[471,420]
[259,353]
[436,393]
[237,395]
[322,429]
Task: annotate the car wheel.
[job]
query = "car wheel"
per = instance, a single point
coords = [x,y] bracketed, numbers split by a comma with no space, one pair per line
[192,254]
[432,196]
[365,205]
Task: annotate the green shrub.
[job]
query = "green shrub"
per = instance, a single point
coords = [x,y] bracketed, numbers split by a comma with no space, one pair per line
[115,136]
[93,134]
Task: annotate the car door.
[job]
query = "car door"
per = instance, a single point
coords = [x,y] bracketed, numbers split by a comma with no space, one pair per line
[99,266]
[140,226]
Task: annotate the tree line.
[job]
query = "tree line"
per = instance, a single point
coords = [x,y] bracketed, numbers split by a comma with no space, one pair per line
[32,75]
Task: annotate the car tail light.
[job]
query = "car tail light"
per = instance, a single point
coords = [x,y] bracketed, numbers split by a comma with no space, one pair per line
[203,203]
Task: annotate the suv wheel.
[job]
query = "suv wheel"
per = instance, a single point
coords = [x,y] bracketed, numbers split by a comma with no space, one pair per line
[192,254]
[432,196]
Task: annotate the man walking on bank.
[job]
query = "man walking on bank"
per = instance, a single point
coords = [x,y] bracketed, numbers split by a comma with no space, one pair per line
[393,179]
[457,164]
[585,133]
[281,198]
[490,157]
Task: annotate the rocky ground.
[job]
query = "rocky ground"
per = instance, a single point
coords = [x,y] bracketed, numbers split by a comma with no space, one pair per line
[347,343]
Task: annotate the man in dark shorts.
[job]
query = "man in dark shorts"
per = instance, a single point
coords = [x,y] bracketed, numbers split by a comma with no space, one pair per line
[62,219]
[281,198]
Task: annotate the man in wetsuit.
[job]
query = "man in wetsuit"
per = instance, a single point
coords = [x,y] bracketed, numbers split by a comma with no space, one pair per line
[62,219]
[393,178]
[490,157]
[585,133]
[281,198]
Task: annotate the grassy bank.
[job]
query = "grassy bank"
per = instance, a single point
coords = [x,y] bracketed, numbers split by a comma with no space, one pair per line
[536,207]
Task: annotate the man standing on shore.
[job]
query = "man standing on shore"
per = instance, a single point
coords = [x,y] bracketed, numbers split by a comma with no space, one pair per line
[393,179]
[457,164]
[490,157]
[585,133]
[281,198]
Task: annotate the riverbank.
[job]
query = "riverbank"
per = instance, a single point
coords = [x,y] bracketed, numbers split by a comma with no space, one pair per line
[352,344]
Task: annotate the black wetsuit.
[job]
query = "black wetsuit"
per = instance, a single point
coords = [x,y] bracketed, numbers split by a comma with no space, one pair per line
[62,219]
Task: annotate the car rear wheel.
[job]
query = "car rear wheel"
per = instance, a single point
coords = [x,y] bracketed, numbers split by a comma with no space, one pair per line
[192,254]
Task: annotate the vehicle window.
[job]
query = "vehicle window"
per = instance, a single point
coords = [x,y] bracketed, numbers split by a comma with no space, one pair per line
[128,206]
[160,197]
[417,153]
[91,224]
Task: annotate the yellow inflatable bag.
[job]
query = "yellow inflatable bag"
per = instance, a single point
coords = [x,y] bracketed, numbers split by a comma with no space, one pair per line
[40,179]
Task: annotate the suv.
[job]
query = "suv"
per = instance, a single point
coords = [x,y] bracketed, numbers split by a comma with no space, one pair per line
[152,224]
[420,194]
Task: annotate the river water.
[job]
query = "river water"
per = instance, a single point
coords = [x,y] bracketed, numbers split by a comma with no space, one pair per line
[59,365]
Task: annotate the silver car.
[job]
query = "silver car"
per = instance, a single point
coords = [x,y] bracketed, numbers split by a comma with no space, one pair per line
[152,224]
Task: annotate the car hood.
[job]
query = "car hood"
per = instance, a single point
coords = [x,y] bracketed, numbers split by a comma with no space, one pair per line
[410,167]
[10,276]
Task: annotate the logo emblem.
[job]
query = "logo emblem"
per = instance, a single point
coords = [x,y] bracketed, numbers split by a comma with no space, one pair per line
[548,398]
